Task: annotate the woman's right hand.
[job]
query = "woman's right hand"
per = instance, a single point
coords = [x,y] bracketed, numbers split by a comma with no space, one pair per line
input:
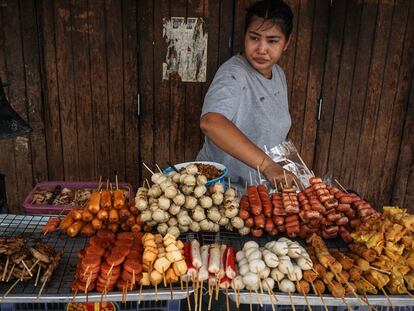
[277,175]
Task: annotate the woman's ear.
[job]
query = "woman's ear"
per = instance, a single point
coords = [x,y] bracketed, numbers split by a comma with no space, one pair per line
[287,43]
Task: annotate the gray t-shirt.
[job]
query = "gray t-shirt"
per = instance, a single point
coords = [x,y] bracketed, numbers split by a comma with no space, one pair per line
[256,105]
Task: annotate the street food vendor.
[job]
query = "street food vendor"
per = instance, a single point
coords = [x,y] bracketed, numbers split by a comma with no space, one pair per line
[246,106]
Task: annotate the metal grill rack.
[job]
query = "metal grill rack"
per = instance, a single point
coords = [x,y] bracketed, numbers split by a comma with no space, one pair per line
[58,289]
[237,241]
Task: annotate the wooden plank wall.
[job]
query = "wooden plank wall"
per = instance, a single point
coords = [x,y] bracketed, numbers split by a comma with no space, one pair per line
[76,67]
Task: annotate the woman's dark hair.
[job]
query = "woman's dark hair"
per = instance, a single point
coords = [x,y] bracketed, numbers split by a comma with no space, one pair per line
[274,11]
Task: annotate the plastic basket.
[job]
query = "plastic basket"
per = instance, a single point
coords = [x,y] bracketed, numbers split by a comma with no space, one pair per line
[41,209]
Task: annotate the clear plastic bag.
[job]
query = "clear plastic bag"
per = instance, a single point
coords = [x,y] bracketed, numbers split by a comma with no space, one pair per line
[287,156]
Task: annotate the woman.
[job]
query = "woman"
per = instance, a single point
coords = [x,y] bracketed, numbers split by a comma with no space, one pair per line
[246,106]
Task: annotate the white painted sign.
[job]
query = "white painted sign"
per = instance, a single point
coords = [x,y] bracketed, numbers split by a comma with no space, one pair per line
[187,49]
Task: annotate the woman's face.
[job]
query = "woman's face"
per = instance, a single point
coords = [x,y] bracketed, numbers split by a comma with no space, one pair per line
[264,44]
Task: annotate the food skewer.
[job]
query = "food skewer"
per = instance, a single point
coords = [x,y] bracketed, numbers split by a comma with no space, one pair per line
[26,267]
[188,295]
[5,269]
[250,300]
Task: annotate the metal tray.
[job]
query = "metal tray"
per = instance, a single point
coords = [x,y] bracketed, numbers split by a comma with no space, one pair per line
[58,289]
[237,241]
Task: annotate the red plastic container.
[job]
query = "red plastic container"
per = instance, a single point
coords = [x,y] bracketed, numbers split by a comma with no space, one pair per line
[57,209]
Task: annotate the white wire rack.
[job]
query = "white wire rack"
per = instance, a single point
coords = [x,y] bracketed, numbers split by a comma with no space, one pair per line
[237,241]
[58,289]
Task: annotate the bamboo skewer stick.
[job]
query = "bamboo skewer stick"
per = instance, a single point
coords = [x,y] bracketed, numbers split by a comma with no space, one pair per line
[10,289]
[86,271]
[340,185]
[140,293]
[271,290]
[217,286]
[27,268]
[260,283]
[35,264]
[291,301]
[110,269]
[5,269]
[250,300]
[371,307]
[304,296]
[196,294]
[181,282]
[286,181]
[236,297]
[156,292]
[37,276]
[201,295]
[210,294]
[320,296]
[258,298]
[227,298]
[88,282]
[143,163]
[11,272]
[171,292]
[74,296]
[380,270]
[188,294]
[346,303]
[271,298]
[409,294]
[163,277]
[304,164]
[158,167]
[41,289]
[260,177]
[388,298]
